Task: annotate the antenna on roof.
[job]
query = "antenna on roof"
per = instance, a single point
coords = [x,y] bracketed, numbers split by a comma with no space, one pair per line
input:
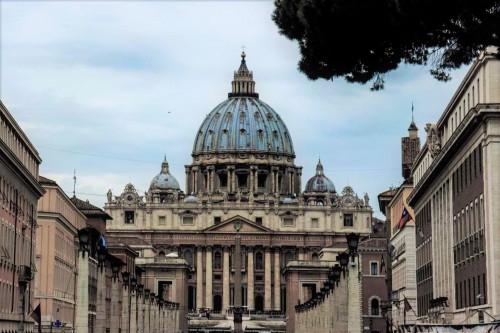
[412,111]
[74,183]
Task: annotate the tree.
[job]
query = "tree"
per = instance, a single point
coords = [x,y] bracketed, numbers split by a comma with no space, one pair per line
[363,40]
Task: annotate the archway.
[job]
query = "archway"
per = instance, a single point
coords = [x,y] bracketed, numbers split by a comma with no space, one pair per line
[259,303]
[217,303]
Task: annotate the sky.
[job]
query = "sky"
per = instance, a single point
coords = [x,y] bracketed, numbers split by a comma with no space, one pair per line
[107,89]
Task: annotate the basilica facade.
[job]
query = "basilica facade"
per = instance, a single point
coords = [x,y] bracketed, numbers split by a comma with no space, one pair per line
[243,169]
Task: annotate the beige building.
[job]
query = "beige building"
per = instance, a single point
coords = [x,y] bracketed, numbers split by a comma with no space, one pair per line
[243,169]
[59,221]
[19,194]
[456,195]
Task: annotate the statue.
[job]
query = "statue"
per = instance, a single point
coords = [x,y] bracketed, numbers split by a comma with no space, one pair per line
[238,195]
[367,200]
[250,197]
[110,196]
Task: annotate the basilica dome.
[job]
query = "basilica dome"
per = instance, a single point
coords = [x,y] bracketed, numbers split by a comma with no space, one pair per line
[243,123]
[319,182]
[164,180]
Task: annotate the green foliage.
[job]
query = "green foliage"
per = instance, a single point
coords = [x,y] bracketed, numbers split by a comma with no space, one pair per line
[362,40]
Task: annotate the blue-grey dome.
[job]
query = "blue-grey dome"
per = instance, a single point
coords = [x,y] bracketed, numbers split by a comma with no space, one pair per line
[164,181]
[319,182]
[243,123]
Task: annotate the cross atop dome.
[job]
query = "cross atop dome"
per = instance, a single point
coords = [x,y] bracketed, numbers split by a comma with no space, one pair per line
[243,84]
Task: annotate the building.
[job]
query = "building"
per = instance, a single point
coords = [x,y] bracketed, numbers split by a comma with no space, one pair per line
[55,281]
[401,309]
[19,194]
[244,170]
[456,178]
[374,261]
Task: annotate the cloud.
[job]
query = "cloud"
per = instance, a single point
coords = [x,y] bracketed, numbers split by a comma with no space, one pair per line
[109,88]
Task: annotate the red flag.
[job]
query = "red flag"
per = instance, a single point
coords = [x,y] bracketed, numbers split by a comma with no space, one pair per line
[405,217]
[407,305]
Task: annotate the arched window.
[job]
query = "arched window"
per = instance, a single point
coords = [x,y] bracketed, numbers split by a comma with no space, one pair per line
[288,257]
[258,261]
[375,307]
[217,260]
[188,255]
[315,257]
[161,254]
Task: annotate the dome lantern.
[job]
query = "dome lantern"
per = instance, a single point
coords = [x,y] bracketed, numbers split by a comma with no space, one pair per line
[243,83]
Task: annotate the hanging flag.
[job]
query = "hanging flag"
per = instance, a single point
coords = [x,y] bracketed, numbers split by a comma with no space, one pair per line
[405,217]
[407,305]
[37,315]
[382,264]
[103,242]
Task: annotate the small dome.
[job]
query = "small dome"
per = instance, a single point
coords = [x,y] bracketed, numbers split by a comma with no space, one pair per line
[164,181]
[190,199]
[287,201]
[320,182]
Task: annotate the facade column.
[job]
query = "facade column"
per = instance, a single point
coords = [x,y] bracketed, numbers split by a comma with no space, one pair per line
[267,280]
[256,180]
[147,314]
[199,277]
[233,180]
[250,280]
[277,279]
[208,279]
[195,180]
[101,299]
[82,300]
[188,187]
[225,281]
[125,313]
[114,324]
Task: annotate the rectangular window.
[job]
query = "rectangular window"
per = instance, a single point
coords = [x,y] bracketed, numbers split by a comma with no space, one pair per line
[258,220]
[187,220]
[217,219]
[348,220]
[374,268]
[217,277]
[288,221]
[314,223]
[129,217]
[259,278]
[162,220]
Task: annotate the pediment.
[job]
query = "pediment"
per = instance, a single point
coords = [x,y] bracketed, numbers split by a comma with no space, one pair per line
[247,226]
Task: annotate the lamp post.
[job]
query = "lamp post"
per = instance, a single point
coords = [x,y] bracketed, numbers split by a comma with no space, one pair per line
[102,254]
[125,317]
[115,294]
[82,298]
[133,305]
[238,310]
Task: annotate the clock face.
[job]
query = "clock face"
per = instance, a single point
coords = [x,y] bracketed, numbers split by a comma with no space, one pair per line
[348,201]
[129,198]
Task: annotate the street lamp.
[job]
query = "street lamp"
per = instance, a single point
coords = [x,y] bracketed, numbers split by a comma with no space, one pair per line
[126,278]
[352,243]
[133,283]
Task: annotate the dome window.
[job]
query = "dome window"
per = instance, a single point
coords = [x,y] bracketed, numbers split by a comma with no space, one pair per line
[257,115]
[275,134]
[269,116]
